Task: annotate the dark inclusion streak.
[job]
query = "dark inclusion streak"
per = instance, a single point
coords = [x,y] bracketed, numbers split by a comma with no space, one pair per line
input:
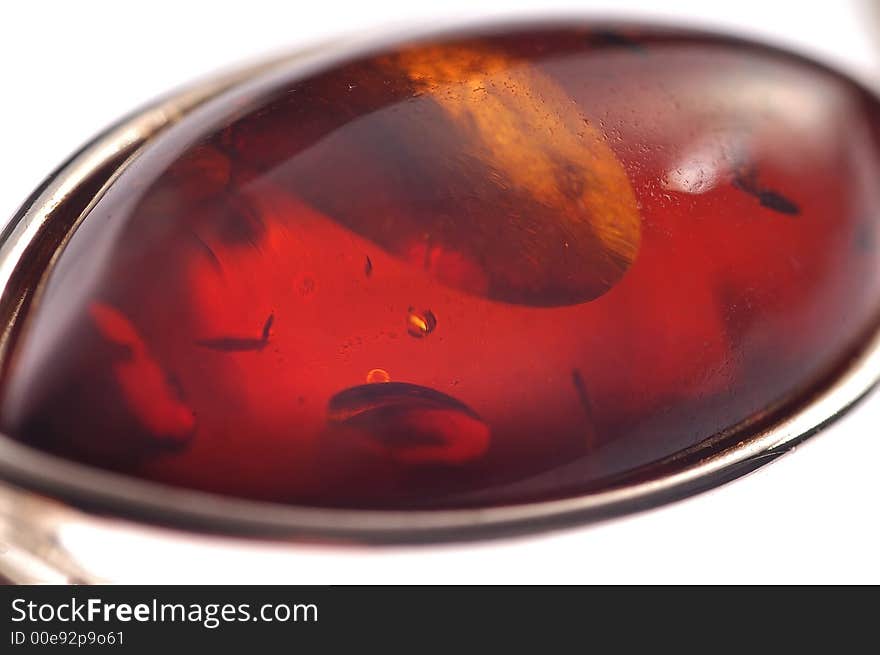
[581,388]
[777,202]
[209,252]
[266,327]
[367,398]
[368,267]
[240,344]
[611,38]
[767,197]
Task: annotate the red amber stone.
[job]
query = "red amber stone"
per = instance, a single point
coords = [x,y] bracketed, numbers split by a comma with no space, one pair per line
[477,269]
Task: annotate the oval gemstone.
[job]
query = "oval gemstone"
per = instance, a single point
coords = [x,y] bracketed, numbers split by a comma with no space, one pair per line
[476,269]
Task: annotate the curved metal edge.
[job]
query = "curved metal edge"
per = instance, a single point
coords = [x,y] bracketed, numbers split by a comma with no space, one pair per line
[39,492]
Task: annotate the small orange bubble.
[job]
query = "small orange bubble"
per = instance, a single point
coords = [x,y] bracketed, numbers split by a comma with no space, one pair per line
[378,375]
[420,324]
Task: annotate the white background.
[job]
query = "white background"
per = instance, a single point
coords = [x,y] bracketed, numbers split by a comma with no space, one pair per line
[70,68]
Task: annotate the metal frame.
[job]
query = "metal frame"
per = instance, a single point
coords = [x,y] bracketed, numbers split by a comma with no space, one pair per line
[40,493]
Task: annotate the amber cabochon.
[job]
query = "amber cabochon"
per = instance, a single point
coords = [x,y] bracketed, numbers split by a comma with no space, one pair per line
[471,270]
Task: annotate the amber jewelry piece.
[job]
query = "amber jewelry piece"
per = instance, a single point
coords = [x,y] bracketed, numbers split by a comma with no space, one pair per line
[476,280]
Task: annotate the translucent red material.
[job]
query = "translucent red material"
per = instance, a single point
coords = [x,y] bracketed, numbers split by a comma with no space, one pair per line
[479,269]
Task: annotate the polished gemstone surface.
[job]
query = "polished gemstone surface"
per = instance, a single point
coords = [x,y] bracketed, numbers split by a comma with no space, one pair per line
[473,269]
